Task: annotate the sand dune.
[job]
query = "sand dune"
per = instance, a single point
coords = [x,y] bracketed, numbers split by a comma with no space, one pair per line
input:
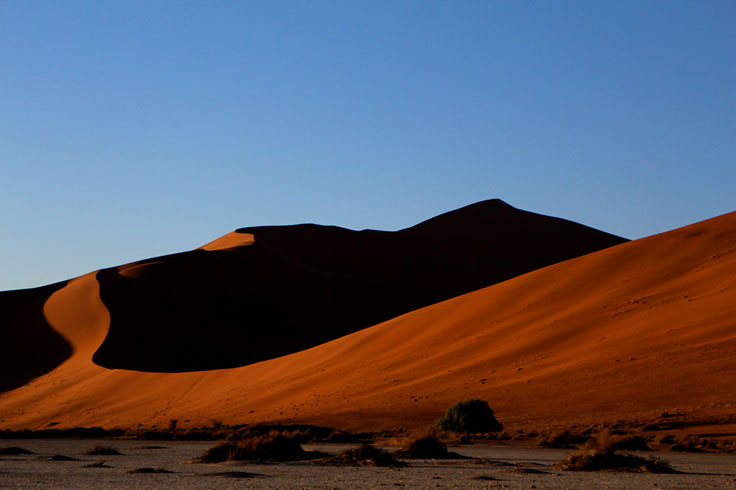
[621,334]
[294,287]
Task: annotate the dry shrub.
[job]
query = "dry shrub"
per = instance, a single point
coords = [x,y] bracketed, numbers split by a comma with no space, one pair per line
[599,460]
[274,446]
[688,444]
[102,451]
[299,436]
[601,455]
[425,445]
[561,440]
[185,435]
[367,455]
[341,436]
[607,441]
[219,453]
[301,432]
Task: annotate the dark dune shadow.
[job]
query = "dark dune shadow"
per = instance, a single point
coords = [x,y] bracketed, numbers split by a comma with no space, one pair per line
[302,285]
[29,347]
[200,313]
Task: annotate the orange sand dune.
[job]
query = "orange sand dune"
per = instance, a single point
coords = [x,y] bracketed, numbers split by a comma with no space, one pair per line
[264,292]
[624,333]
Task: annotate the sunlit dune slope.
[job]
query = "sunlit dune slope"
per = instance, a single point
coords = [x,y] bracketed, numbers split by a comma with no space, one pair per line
[621,334]
[263,292]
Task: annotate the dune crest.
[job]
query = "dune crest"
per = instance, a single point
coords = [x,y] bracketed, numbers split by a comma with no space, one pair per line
[231,240]
[625,333]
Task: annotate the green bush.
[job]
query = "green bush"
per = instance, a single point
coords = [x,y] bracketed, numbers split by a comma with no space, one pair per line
[470,416]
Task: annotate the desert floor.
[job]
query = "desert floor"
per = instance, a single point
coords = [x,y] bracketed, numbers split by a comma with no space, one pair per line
[496,467]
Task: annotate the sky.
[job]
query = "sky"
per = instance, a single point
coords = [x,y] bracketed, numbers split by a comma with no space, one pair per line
[139,128]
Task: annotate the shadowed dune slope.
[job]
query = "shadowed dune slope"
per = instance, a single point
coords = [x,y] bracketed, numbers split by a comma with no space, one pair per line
[29,346]
[625,333]
[264,292]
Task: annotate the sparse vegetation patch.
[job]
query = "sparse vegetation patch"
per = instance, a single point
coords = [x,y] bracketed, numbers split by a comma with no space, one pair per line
[597,460]
[608,441]
[300,432]
[273,447]
[102,451]
[601,455]
[426,446]
[366,455]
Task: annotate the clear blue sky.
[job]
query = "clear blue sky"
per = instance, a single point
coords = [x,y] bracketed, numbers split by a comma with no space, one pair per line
[130,129]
